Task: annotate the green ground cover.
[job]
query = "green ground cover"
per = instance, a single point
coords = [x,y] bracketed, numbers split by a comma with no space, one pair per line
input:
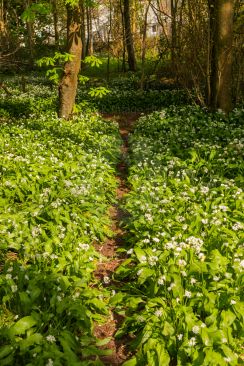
[181,283]
[184,273]
[57,182]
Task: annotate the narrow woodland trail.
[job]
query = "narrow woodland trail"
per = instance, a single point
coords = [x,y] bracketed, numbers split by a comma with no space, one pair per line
[109,248]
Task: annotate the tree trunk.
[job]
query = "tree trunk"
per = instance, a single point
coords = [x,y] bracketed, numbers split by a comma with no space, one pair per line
[55,22]
[68,84]
[83,29]
[221,61]
[89,42]
[143,50]
[173,34]
[129,37]
[30,37]
[123,35]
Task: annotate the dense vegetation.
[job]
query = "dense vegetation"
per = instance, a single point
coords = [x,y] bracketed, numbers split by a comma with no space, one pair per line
[185,265]
[57,182]
[121,241]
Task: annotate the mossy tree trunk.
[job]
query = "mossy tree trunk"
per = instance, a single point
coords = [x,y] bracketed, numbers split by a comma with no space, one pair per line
[129,37]
[68,84]
[221,60]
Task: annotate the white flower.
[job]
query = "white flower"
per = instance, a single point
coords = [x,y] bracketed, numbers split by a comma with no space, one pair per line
[216,278]
[14,288]
[188,294]
[223,208]
[233,302]
[50,338]
[156,240]
[161,280]
[158,313]
[172,285]
[50,362]
[180,336]
[36,231]
[8,276]
[143,258]
[193,281]
[242,263]
[204,221]
[196,329]
[182,263]
[203,325]
[224,340]
[227,359]
[204,190]
[130,251]
[152,260]
[106,280]
[192,342]
[139,272]
[237,226]
[201,256]
[84,247]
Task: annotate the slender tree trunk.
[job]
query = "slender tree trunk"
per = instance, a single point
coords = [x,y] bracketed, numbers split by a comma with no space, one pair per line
[89,42]
[55,22]
[173,34]
[123,34]
[221,63]
[144,38]
[68,84]
[83,29]
[109,39]
[129,37]
[30,37]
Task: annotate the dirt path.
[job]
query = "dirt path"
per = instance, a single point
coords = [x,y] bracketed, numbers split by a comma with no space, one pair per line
[106,269]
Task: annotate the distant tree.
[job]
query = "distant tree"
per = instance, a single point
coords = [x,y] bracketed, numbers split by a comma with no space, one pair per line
[222,13]
[129,36]
[68,84]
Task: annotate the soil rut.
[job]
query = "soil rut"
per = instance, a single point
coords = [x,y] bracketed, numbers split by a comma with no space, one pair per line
[109,248]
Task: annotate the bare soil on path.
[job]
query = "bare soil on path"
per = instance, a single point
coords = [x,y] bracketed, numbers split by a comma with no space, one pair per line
[108,249]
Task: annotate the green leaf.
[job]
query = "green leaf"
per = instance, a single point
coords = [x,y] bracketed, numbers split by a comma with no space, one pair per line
[168,329]
[227,318]
[5,351]
[23,325]
[35,338]
[103,342]
[93,61]
[131,362]
[163,356]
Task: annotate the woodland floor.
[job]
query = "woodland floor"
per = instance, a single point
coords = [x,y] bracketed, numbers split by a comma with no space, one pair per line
[109,248]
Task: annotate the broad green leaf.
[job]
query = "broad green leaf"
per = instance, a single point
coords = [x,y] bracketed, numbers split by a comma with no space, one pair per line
[22,325]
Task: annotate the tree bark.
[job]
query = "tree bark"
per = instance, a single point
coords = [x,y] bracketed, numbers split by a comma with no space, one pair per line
[221,61]
[143,48]
[173,34]
[55,22]
[30,37]
[68,84]
[83,29]
[129,37]
[123,35]
[89,42]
